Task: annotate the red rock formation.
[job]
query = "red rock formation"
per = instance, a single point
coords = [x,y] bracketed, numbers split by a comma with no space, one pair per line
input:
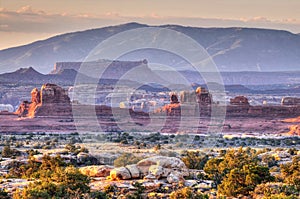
[35,96]
[22,110]
[52,100]
[173,113]
[51,93]
[174,99]
[204,98]
[294,130]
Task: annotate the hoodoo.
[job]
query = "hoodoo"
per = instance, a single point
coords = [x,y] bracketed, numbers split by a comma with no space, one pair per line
[50,101]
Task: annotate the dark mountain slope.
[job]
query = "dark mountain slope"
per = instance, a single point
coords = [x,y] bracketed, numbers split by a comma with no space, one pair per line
[233,49]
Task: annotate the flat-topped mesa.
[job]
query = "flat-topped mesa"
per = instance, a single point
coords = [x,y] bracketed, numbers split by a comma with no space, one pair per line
[50,101]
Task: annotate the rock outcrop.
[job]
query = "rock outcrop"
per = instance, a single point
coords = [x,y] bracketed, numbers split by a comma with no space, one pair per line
[173,114]
[174,98]
[294,130]
[152,168]
[96,171]
[288,101]
[51,100]
[239,100]
[204,98]
[35,96]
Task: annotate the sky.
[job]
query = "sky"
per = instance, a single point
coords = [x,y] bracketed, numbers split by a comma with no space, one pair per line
[25,21]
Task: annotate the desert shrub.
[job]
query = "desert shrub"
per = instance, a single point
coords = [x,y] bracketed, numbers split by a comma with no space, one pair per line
[194,160]
[138,193]
[124,142]
[269,160]
[187,193]
[7,152]
[291,172]
[3,194]
[72,148]
[237,172]
[292,151]
[275,190]
[242,181]
[61,183]
[98,195]
[126,159]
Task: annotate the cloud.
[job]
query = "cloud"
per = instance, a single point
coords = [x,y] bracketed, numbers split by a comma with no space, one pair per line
[29,10]
[29,20]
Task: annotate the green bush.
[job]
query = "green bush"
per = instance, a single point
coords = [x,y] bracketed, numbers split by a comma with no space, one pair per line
[61,183]
[126,159]
[194,160]
[187,193]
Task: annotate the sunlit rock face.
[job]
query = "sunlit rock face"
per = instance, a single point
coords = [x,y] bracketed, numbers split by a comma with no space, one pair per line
[294,130]
[35,96]
[96,170]
[51,100]
[156,166]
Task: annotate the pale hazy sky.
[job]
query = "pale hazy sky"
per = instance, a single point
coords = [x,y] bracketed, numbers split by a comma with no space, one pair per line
[24,21]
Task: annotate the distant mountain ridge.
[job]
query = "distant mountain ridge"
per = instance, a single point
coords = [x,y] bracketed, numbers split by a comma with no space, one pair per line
[67,76]
[31,76]
[233,49]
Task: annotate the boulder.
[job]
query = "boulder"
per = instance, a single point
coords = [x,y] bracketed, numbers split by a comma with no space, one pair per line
[125,173]
[159,171]
[121,173]
[173,178]
[96,171]
[170,163]
[150,177]
[163,161]
[152,168]
[134,171]
[87,159]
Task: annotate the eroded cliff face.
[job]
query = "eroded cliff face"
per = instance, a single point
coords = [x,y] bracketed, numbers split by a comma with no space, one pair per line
[295,128]
[50,101]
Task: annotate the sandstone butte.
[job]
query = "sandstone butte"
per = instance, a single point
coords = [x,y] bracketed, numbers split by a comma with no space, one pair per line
[51,100]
